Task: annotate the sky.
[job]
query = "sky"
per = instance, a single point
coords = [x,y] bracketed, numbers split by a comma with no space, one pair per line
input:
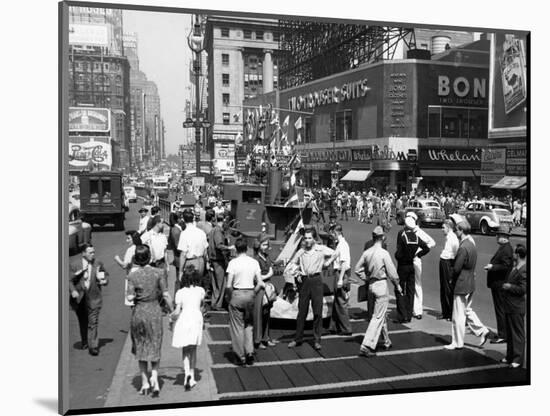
[164,57]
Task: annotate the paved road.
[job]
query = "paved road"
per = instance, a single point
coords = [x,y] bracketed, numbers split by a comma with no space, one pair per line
[357,233]
[90,377]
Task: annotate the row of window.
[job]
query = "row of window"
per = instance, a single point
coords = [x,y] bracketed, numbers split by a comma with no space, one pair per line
[96,66]
[249,34]
[443,122]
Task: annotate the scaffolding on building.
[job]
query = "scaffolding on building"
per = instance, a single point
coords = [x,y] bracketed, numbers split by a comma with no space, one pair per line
[312,50]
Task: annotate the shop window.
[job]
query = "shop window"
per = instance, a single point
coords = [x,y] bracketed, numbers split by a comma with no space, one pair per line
[247,34]
[343,125]
[225,59]
[307,130]
[225,32]
[259,35]
[434,122]
[453,122]
[225,80]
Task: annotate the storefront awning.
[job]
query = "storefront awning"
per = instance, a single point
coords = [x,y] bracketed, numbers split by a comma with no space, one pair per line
[446,173]
[357,175]
[510,182]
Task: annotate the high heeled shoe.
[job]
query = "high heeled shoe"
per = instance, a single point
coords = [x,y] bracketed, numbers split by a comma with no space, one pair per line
[155,390]
[187,383]
[145,390]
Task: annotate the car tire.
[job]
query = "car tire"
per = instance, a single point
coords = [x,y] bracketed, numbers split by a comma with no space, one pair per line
[484,227]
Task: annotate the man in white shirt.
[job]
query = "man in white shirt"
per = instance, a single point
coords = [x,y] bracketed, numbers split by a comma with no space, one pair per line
[192,245]
[446,262]
[342,267]
[143,220]
[417,263]
[219,209]
[244,279]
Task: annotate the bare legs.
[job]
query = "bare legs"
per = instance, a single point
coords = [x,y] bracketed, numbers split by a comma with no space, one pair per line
[144,379]
[189,356]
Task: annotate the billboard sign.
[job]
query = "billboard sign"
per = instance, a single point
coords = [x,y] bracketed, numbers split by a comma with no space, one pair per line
[89,151]
[508,98]
[516,161]
[493,163]
[96,120]
[224,158]
[450,158]
[82,34]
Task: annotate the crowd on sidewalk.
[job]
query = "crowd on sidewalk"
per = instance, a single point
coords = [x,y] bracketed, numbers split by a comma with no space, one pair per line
[210,270]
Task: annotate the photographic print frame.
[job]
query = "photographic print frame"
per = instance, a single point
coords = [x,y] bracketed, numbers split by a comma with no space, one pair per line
[375,154]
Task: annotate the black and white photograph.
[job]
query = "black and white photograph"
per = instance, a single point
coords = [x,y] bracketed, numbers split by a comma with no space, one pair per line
[267,207]
[286,208]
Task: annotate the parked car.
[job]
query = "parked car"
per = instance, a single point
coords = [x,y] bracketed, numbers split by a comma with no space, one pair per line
[80,232]
[486,216]
[130,193]
[429,212]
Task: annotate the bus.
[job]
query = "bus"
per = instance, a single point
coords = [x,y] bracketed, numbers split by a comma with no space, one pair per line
[160,186]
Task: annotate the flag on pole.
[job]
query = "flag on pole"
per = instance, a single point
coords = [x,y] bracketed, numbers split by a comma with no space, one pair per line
[287,121]
[298,124]
[292,199]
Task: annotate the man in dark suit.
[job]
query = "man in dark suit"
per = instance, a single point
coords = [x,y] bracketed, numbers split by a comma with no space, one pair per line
[86,277]
[497,270]
[464,288]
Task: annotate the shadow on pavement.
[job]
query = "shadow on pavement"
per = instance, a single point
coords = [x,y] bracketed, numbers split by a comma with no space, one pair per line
[49,404]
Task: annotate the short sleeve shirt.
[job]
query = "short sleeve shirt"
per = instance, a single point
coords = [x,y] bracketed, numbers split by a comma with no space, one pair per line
[244,270]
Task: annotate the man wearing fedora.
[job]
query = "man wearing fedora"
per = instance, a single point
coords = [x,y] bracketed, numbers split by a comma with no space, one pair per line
[497,270]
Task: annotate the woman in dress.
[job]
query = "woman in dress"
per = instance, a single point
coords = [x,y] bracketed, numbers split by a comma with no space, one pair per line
[262,307]
[188,322]
[146,287]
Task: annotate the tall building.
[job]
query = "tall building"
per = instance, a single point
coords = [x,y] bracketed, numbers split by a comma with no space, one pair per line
[145,108]
[242,63]
[99,73]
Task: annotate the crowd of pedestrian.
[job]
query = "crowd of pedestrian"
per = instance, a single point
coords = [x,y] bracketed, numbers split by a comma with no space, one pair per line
[210,269]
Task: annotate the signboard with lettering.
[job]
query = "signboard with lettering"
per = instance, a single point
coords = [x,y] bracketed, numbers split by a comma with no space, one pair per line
[493,163]
[450,158]
[516,161]
[399,114]
[224,158]
[97,120]
[86,151]
[87,34]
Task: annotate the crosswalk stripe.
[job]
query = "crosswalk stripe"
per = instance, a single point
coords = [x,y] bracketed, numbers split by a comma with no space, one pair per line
[323,359]
[359,382]
[355,334]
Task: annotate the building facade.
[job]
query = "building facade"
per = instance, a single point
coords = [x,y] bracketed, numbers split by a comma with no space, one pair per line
[99,73]
[394,121]
[147,131]
[242,63]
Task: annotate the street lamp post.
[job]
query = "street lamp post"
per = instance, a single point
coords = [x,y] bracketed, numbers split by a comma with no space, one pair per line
[196,44]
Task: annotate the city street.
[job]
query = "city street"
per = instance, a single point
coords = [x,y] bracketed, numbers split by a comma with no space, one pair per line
[112,378]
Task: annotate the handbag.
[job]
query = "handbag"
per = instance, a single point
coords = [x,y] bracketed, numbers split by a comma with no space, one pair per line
[270,294]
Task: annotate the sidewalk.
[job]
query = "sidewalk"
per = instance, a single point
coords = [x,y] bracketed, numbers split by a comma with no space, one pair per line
[519,231]
[417,359]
